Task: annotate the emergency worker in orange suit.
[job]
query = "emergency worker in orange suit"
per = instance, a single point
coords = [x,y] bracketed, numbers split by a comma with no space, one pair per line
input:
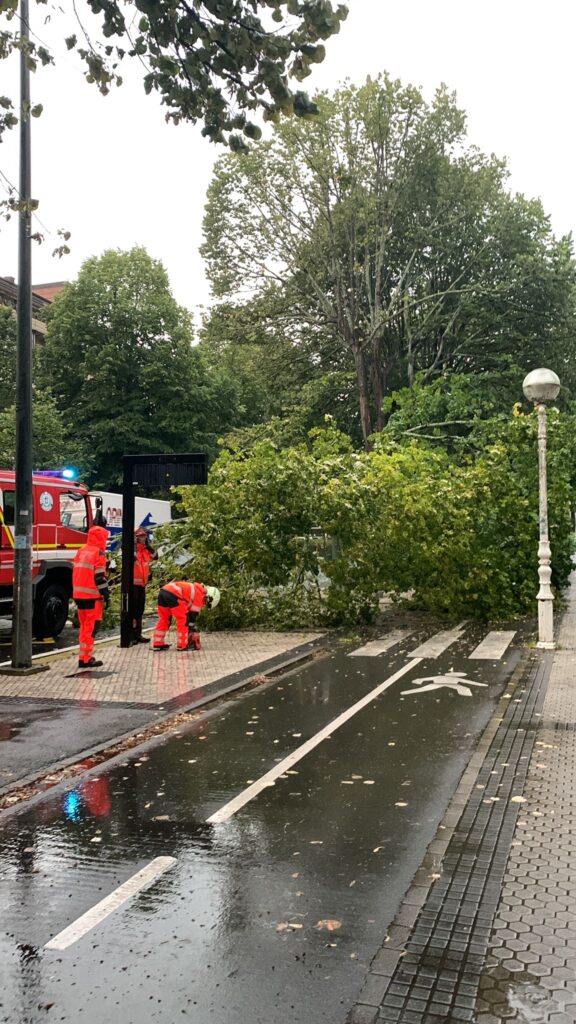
[101,566]
[89,589]
[144,554]
[183,601]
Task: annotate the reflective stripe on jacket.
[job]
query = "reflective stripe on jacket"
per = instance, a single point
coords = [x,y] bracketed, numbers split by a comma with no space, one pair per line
[89,572]
[142,560]
[192,594]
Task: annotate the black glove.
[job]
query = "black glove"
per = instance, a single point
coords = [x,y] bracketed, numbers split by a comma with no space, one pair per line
[106,597]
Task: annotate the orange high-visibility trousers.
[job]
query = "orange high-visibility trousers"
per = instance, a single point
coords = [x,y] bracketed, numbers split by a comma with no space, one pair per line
[88,619]
[180,613]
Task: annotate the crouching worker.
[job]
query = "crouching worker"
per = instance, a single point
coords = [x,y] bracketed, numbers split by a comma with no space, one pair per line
[184,601]
[89,590]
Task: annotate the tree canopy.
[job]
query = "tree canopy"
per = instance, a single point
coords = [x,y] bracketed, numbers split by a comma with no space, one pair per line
[381,244]
[208,60]
[119,361]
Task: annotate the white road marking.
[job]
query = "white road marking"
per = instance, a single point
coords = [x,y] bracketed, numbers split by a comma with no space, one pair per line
[493,646]
[438,643]
[229,809]
[452,681]
[376,647]
[141,880]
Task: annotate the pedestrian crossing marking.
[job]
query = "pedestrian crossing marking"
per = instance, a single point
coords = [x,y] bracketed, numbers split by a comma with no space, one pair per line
[493,646]
[384,643]
[438,643]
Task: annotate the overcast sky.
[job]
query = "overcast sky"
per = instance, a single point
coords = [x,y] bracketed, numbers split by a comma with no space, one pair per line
[113,173]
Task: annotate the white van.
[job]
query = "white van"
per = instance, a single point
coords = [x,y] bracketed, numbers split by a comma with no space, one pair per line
[148,512]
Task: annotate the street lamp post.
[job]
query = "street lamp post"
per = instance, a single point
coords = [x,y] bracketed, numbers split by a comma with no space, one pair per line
[541,387]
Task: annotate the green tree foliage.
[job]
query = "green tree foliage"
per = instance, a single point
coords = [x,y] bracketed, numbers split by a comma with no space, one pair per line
[52,447]
[308,535]
[119,360]
[208,60]
[7,357]
[391,243]
[283,385]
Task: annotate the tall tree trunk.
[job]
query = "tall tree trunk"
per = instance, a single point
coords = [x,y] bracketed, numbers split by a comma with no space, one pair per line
[378,375]
[363,396]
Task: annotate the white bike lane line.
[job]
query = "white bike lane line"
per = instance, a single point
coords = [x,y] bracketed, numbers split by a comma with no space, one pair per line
[269,778]
[98,913]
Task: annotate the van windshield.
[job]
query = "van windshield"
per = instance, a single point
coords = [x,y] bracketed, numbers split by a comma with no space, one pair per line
[73,510]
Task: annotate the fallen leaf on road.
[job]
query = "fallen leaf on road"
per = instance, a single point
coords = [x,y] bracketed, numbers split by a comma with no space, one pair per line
[400,803]
[346,782]
[391,744]
[368,782]
[435,876]
[518,800]
[161,817]
[288,926]
[96,839]
[295,875]
[316,842]
[328,924]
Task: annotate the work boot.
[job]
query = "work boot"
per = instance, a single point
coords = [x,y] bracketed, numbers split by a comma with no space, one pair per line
[160,647]
[92,663]
[183,648]
[137,628]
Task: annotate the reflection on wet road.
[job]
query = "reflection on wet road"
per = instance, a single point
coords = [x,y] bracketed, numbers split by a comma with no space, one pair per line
[274,914]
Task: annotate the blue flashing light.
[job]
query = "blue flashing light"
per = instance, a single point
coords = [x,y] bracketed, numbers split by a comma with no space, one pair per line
[59,474]
[72,805]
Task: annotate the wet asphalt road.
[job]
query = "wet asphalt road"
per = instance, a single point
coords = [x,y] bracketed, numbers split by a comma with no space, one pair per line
[39,732]
[233,931]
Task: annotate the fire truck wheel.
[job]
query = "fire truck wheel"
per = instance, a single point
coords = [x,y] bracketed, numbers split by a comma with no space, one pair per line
[51,611]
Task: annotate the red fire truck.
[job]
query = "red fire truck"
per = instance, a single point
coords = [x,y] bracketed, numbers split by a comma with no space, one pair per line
[58,531]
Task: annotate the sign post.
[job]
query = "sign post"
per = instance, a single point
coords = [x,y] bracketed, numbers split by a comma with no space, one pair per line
[149,472]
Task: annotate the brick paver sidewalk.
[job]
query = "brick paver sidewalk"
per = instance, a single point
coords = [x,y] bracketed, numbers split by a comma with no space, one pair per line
[531,975]
[487,930]
[138,676]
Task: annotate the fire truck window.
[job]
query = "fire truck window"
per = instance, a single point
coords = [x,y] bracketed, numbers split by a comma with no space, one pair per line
[8,507]
[73,511]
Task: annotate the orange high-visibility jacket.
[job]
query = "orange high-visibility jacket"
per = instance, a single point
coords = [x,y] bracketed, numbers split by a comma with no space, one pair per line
[193,594]
[142,560]
[89,572]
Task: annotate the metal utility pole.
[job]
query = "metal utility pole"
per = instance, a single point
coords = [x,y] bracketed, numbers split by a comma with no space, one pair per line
[22,615]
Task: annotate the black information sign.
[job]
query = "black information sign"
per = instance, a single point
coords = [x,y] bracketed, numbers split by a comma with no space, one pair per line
[149,473]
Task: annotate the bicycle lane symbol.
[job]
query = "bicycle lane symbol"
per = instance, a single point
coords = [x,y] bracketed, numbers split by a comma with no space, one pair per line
[455,681]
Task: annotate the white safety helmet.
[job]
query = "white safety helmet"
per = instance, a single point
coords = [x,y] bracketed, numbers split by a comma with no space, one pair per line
[214,594]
